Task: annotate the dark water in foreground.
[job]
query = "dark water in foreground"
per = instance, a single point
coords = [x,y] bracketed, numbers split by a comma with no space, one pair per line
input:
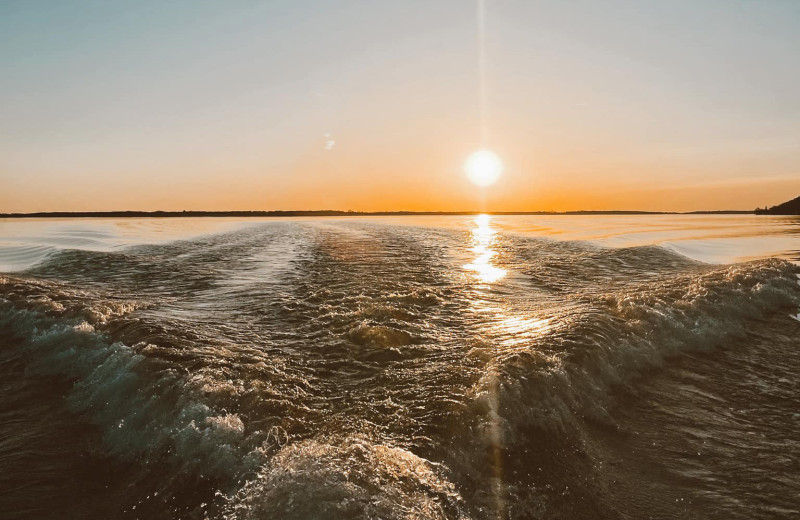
[401,368]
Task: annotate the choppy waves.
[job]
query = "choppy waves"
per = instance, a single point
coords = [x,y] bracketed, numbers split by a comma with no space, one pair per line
[358,370]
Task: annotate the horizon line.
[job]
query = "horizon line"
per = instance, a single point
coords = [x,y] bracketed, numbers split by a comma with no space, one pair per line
[337,213]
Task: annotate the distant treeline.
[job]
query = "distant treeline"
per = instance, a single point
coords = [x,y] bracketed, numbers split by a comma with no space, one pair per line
[791,207]
[323,213]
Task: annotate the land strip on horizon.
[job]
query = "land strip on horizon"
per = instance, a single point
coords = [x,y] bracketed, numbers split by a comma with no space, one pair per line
[338,213]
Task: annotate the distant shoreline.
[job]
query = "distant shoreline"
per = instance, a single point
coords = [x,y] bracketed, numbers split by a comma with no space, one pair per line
[335,213]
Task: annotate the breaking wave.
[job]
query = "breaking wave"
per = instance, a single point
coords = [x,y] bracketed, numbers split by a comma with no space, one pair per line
[356,371]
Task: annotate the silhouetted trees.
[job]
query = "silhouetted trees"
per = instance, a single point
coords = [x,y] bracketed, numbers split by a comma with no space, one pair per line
[791,207]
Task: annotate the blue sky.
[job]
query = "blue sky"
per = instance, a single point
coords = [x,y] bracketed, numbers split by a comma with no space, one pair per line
[176,105]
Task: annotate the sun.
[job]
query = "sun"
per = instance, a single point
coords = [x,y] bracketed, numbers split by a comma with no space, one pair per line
[483,168]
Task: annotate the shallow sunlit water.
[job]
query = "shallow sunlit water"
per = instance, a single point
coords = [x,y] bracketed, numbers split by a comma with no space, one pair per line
[559,366]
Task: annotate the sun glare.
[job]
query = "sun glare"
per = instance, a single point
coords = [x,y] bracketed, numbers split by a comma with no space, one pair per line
[483,168]
[483,241]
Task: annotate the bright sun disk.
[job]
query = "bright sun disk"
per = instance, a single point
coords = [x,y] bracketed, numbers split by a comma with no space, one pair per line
[483,168]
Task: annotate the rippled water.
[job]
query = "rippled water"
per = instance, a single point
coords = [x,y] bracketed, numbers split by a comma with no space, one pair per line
[405,367]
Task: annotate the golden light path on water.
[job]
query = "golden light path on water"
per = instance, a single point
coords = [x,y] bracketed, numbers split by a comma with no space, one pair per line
[512,332]
[482,239]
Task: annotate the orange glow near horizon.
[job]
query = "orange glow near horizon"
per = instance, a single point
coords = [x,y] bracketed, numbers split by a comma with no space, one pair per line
[389,188]
[380,112]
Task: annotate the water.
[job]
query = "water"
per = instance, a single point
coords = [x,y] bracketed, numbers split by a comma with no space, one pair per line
[406,367]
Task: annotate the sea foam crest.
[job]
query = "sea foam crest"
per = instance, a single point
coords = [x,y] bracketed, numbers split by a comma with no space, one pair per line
[568,373]
[143,416]
[346,478]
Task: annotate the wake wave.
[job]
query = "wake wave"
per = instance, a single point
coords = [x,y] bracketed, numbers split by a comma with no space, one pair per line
[569,370]
[368,377]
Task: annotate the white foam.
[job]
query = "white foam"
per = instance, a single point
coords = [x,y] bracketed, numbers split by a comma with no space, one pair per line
[347,478]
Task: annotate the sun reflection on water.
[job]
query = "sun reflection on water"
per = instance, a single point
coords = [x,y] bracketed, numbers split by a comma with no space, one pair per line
[483,242]
[509,331]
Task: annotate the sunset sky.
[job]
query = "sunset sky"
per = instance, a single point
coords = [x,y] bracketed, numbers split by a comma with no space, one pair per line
[375,105]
